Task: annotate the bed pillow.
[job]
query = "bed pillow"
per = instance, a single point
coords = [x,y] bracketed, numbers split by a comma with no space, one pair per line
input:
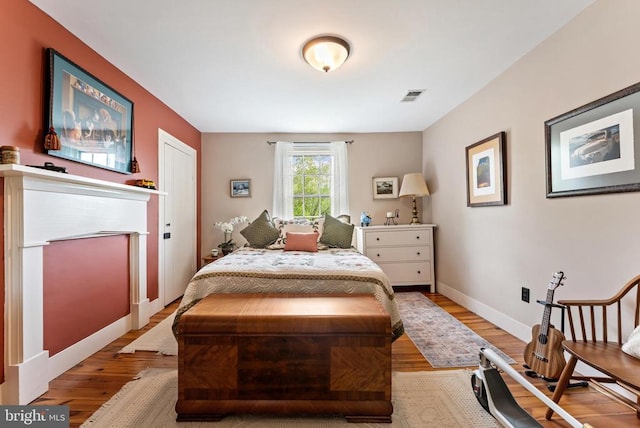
[297,226]
[260,232]
[632,347]
[301,242]
[336,233]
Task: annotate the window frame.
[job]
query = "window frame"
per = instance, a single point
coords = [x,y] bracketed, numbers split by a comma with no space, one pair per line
[283,175]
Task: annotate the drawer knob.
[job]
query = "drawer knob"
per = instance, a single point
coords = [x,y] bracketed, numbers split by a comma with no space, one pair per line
[377,239]
[418,253]
[419,272]
[418,237]
[378,255]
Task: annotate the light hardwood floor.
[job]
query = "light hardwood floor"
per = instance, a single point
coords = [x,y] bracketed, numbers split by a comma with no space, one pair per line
[85,387]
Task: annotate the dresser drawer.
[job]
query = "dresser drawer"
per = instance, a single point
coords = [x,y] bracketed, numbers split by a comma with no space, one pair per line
[399,237]
[399,254]
[403,252]
[408,273]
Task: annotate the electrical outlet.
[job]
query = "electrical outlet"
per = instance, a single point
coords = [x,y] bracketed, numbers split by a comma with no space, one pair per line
[525,294]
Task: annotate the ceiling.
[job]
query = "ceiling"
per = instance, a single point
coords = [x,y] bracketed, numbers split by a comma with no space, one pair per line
[236,66]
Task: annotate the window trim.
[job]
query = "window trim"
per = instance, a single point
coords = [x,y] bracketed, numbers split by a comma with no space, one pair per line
[283,183]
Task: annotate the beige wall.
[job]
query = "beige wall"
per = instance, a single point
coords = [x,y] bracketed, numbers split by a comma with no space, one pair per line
[484,255]
[232,156]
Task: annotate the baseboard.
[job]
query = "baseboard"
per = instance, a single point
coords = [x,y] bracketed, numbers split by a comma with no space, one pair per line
[155,307]
[508,324]
[69,357]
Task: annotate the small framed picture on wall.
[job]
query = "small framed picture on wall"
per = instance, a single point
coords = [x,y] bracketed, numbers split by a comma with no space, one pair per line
[385,187]
[241,188]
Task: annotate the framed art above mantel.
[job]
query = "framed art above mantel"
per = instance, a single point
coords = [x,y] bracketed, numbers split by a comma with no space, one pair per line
[94,123]
[592,149]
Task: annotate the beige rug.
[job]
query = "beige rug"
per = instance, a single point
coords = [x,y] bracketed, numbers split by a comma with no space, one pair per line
[421,400]
[160,338]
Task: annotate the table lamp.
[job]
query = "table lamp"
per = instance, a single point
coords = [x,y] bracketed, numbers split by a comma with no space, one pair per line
[413,185]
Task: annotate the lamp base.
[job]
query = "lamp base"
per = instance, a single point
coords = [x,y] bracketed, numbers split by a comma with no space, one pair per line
[415,219]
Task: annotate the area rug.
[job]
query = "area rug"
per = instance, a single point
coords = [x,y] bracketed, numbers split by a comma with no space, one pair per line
[441,338]
[420,400]
[160,339]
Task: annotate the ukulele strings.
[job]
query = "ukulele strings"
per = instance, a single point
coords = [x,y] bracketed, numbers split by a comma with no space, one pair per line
[544,327]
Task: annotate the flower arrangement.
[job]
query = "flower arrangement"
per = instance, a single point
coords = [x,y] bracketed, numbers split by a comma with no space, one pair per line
[227,228]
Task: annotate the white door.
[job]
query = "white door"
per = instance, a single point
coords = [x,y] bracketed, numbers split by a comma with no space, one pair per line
[177,243]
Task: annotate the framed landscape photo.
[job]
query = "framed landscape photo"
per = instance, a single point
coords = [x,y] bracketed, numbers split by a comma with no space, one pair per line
[385,187]
[241,188]
[486,172]
[592,149]
[94,123]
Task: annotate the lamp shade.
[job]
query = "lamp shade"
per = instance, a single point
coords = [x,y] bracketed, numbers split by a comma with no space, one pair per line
[413,185]
[326,53]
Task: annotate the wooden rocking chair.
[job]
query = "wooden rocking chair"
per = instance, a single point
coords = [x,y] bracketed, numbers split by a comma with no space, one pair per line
[590,344]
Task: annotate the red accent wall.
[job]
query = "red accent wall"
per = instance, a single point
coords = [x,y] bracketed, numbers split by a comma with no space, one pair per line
[25,33]
[78,301]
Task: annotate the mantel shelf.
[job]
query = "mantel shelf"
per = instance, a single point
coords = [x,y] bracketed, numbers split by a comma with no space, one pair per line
[13,170]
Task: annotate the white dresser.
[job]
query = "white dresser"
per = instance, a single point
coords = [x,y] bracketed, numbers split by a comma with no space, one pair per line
[405,252]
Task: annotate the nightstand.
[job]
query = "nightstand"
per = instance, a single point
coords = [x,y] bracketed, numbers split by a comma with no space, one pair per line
[404,252]
[209,258]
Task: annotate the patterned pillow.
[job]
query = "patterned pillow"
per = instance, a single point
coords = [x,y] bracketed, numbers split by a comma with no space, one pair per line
[260,232]
[302,242]
[298,226]
[336,233]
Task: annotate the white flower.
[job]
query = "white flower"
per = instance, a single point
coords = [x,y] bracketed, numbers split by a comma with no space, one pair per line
[227,227]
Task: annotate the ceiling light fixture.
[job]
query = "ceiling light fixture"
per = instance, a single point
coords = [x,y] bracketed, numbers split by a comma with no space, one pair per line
[326,53]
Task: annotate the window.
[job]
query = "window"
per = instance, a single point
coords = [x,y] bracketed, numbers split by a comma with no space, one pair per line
[310,180]
[311,185]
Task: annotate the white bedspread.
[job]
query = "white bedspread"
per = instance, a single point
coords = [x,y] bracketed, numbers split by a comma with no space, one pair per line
[250,270]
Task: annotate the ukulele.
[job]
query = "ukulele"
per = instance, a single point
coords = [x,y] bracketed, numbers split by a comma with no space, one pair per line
[544,353]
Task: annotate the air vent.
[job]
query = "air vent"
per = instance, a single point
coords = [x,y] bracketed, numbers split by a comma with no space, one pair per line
[412,95]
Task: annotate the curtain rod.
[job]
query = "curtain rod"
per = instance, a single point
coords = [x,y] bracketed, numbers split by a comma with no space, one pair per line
[312,142]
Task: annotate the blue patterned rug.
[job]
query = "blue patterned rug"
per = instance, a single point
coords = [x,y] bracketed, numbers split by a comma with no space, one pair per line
[441,338]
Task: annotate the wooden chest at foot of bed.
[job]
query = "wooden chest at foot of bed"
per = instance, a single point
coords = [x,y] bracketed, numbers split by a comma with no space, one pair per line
[286,355]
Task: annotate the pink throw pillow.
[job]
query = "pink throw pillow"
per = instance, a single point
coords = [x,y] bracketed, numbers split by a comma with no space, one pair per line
[302,242]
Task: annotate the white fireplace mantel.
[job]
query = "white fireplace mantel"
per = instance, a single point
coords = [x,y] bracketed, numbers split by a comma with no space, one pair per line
[42,206]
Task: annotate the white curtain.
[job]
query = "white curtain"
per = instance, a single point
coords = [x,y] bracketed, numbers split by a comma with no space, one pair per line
[282,181]
[283,176]
[340,179]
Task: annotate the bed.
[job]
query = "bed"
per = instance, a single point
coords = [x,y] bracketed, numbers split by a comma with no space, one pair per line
[297,322]
[327,271]
[287,332]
